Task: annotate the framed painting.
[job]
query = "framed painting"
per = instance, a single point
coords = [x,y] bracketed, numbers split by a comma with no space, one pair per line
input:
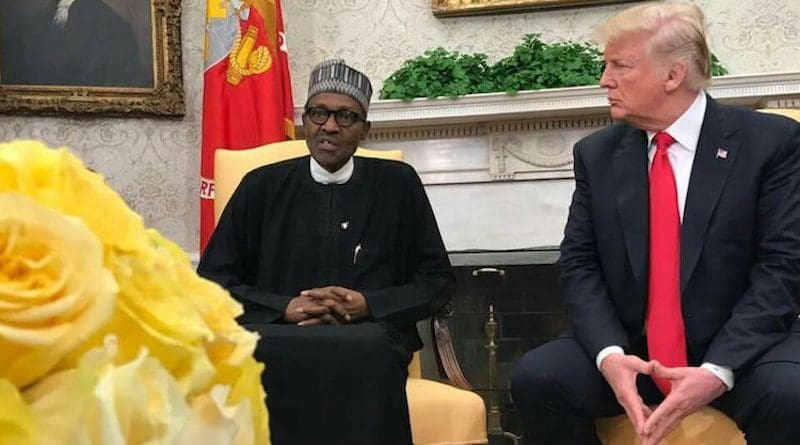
[445,8]
[110,57]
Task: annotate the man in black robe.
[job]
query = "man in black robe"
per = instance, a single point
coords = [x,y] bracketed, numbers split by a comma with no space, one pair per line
[335,259]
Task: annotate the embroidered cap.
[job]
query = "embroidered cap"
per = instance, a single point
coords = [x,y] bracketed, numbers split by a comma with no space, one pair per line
[335,76]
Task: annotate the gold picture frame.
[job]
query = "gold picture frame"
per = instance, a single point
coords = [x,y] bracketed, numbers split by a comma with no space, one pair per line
[452,8]
[133,68]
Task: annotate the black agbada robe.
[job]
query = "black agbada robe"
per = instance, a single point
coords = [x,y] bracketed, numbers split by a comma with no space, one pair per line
[282,233]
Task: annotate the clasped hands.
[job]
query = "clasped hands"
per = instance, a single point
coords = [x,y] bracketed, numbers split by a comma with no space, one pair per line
[326,305]
[692,388]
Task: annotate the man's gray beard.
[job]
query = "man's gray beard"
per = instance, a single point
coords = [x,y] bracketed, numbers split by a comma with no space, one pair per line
[62,12]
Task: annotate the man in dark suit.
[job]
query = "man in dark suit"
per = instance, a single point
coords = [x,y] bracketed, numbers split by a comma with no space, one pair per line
[681,256]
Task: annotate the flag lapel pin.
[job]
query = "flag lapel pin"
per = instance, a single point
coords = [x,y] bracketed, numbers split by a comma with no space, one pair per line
[722,153]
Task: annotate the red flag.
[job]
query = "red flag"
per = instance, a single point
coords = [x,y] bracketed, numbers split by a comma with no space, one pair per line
[247,96]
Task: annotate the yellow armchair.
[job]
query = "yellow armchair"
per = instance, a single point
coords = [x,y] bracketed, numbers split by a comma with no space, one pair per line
[440,414]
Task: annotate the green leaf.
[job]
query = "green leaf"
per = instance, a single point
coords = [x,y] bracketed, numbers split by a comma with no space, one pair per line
[533,64]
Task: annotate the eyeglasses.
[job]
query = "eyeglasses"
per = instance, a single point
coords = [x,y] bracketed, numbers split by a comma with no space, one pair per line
[344,118]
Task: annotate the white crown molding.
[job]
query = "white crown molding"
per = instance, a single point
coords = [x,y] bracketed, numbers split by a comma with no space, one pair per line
[755,90]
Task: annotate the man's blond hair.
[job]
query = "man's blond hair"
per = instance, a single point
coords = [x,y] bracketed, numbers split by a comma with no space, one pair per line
[676,31]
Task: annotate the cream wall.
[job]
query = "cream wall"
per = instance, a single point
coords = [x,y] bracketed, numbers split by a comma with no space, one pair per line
[154,163]
[750,36]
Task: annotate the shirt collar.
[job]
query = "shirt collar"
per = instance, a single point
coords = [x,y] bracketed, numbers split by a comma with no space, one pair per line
[323,176]
[686,129]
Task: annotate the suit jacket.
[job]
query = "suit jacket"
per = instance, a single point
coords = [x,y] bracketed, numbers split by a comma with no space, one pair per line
[740,240]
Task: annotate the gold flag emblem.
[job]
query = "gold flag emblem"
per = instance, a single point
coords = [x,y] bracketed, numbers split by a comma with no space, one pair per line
[247,59]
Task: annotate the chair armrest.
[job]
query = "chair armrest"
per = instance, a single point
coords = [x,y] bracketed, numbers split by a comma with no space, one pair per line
[445,354]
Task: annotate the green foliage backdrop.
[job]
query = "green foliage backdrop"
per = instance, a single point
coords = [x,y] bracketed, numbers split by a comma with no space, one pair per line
[533,65]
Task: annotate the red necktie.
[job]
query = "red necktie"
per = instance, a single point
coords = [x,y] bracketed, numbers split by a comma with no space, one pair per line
[666,337]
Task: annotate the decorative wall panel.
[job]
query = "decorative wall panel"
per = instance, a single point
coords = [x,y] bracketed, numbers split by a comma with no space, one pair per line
[154,163]
[749,36]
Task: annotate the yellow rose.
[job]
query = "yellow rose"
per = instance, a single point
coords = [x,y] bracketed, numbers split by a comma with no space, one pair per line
[54,290]
[58,180]
[16,420]
[231,347]
[228,343]
[245,381]
[138,402]
[187,323]
[163,305]
[99,403]
[214,422]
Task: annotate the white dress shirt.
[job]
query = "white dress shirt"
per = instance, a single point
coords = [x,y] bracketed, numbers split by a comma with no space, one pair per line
[323,176]
[686,132]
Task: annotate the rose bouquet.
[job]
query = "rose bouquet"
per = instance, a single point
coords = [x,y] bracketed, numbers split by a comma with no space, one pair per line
[107,335]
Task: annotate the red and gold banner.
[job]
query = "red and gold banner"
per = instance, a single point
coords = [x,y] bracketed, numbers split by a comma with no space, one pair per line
[247,96]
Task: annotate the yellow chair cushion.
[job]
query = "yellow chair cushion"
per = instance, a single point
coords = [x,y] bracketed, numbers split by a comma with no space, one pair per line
[444,415]
[704,427]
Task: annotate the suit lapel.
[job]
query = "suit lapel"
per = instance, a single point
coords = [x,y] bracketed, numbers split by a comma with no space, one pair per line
[630,177]
[715,155]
